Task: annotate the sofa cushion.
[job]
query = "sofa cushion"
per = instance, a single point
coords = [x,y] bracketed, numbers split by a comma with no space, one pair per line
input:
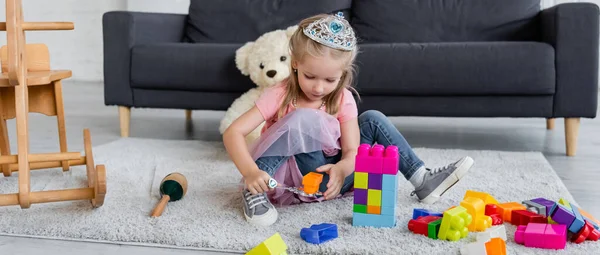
[186,66]
[245,20]
[445,21]
[455,69]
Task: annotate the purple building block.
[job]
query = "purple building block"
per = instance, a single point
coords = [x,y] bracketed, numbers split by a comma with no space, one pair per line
[545,202]
[375,181]
[360,196]
[562,215]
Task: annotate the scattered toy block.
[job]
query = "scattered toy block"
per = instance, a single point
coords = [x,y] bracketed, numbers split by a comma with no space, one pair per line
[535,207]
[476,208]
[578,222]
[522,217]
[485,197]
[505,210]
[274,245]
[373,220]
[493,232]
[496,219]
[319,233]
[454,224]
[418,212]
[311,182]
[540,235]
[544,202]
[491,209]
[421,224]
[369,159]
[587,216]
[474,248]
[587,232]
[391,161]
[434,228]
[562,215]
[496,246]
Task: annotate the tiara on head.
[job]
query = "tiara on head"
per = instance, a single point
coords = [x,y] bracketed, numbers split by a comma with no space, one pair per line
[332,31]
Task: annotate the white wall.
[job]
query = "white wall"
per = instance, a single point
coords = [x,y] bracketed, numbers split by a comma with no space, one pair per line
[80,50]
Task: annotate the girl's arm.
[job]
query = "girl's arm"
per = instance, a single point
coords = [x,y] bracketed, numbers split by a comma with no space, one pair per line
[235,141]
[350,140]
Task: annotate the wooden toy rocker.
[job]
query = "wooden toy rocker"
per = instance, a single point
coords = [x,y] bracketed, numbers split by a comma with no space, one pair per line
[28,85]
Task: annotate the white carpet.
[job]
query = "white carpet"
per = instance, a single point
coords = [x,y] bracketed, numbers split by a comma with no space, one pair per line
[210,216]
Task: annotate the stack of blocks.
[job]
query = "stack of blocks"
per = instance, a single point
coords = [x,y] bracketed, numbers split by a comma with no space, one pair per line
[375,186]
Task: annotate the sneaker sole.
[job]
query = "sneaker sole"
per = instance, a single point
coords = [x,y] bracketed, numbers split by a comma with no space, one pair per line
[450,181]
[264,220]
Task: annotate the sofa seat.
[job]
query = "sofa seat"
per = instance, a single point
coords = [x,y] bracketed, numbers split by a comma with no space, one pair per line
[457,69]
[205,67]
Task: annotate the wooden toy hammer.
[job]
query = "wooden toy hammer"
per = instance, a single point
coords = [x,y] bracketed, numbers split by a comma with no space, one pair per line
[172,188]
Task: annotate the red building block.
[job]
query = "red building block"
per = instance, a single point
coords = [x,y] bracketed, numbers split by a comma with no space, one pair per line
[420,225]
[522,217]
[587,232]
[491,209]
[496,219]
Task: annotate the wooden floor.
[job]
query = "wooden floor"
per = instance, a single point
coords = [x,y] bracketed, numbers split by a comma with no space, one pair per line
[84,107]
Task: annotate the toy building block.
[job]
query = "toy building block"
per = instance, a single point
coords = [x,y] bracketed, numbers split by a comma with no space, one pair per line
[587,216]
[369,159]
[562,215]
[454,224]
[522,217]
[545,202]
[493,232]
[374,197]
[274,245]
[535,207]
[474,248]
[578,222]
[541,235]
[390,161]
[421,224]
[587,232]
[373,220]
[491,209]
[389,182]
[319,233]
[361,180]
[434,228]
[476,208]
[496,246]
[505,210]
[311,182]
[418,212]
[496,219]
[487,198]
[375,181]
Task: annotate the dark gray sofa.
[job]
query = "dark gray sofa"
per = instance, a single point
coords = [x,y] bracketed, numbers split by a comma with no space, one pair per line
[450,58]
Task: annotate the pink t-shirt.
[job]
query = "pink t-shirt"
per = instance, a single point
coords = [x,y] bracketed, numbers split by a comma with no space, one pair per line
[270,100]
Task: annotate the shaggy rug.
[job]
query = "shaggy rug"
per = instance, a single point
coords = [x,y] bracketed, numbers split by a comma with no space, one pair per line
[209,217]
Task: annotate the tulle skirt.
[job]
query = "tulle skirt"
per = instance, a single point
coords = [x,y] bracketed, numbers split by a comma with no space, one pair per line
[300,131]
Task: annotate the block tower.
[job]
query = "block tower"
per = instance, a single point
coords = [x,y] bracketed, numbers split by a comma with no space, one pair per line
[375,186]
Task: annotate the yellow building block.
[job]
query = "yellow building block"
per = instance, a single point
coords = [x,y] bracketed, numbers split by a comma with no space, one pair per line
[361,180]
[476,208]
[374,197]
[487,198]
[454,224]
[274,245]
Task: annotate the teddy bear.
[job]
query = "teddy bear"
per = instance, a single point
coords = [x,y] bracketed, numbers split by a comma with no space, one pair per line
[267,61]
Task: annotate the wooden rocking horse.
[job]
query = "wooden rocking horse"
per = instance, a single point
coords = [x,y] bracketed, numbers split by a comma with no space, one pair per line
[28,85]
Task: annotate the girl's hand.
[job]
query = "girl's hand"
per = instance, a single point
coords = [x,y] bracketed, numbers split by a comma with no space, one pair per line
[257,182]
[336,179]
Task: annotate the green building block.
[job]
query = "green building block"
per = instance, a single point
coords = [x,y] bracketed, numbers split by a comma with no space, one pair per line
[360,208]
[433,228]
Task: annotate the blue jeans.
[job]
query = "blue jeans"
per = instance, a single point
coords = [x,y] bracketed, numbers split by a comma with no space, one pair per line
[375,128]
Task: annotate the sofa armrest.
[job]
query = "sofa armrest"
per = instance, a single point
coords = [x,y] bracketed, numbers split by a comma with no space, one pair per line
[573,30]
[121,31]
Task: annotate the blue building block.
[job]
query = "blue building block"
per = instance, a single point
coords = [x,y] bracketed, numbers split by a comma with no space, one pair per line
[389,197]
[578,223]
[418,212]
[389,182]
[319,233]
[373,220]
[388,210]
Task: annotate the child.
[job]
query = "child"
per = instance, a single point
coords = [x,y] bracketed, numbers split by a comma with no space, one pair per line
[309,118]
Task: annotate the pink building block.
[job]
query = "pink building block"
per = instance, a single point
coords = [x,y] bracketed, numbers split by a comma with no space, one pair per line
[541,235]
[369,159]
[390,160]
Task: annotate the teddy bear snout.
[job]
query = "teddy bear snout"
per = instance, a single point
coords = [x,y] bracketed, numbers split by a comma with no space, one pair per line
[271,73]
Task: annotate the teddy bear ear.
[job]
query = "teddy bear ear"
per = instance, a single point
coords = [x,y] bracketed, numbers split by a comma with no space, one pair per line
[241,57]
[290,30]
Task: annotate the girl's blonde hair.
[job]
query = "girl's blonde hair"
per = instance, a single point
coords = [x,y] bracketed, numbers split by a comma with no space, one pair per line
[300,45]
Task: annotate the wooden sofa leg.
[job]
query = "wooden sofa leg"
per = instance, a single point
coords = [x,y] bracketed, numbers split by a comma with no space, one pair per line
[550,123]
[188,115]
[571,133]
[124,117]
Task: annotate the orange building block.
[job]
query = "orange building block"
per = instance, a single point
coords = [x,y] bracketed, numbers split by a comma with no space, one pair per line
[373,209]
[311,182]
[505,210]
[496,246]
[588,216]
